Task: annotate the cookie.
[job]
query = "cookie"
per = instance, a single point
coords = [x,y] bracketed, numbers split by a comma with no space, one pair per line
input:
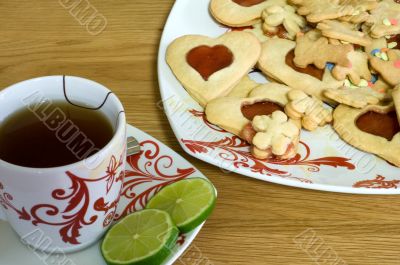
[238,13]
[361,5]
[374,129]
[390,68]
[257,31]
[396,101]
[382,86]
[355,97]
[246,118]
[209,68]
[309,110]
[385,19]
[393,41]
[334,41]
[233,114]
[276,61]
[262,36]
[343,31]
[375,46]
[359,68]
[243,88]
[312,48]
[275,136]
[273,92]
[355,19]
[316,11]
[276,15]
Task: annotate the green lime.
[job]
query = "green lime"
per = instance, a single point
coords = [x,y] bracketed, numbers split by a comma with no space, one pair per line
[189,202]
[144,237]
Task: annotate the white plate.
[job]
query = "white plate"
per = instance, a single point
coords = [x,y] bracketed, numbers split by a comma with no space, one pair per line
[146,173]
[324,161]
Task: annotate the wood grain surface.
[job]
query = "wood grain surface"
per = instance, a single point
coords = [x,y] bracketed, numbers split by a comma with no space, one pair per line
[254,222]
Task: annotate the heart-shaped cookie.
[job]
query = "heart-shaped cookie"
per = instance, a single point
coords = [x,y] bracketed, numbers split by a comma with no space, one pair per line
[239,13]
[210,68]
[276,61]
[233,114]
[259,120]
[374,129]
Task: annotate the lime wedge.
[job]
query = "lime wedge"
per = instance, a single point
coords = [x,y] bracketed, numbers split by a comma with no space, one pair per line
[189,202]
[144,237]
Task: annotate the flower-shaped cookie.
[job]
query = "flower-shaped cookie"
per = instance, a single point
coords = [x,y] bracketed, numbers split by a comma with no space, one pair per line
[276,15]
[309,109]
[275,136]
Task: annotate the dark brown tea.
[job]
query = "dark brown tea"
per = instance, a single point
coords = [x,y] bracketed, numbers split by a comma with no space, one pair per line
[51,134]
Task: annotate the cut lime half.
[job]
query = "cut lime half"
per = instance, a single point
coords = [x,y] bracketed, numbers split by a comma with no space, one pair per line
[145,237]
[189,202]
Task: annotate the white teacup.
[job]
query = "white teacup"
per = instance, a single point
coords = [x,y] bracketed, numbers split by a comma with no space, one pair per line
[66,208]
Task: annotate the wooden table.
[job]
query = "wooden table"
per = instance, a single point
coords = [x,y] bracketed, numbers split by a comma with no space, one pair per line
[254,222]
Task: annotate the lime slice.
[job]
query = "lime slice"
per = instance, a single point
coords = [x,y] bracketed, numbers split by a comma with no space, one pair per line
[144,237]
[189,202]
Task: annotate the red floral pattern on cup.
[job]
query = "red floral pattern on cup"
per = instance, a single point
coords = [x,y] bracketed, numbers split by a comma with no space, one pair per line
[74,215]
[6,202]
[112,170]
[78,203]
[109,208]
[149,166]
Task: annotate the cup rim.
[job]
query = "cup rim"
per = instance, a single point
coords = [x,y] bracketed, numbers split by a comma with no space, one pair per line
[120,128]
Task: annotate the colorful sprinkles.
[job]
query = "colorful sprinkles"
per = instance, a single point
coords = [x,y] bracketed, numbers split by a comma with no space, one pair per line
[380,53]
[390,22]
[386,22]
[330,66]
[392,45]
[374,78]
[375,51]
[394,22]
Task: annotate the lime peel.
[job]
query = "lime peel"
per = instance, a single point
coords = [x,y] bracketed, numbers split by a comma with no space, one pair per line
[189,202]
